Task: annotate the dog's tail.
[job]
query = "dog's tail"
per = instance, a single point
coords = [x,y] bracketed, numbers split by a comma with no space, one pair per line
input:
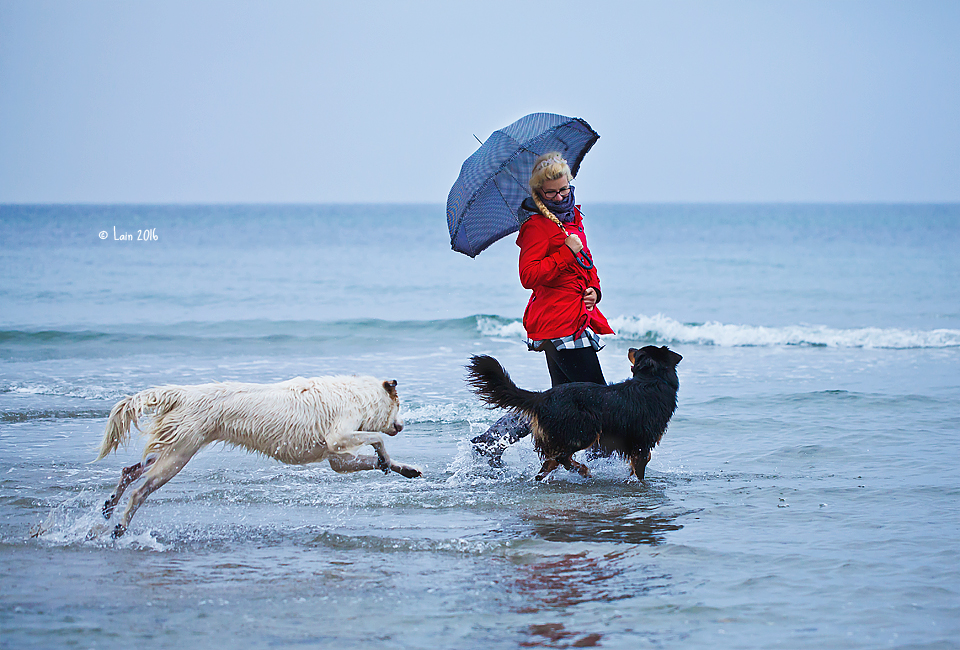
[127,412]
[492,383]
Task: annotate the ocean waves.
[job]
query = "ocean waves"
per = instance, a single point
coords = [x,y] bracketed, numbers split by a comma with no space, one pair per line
[229,338]
[28,415]
[660,329]
[263,337]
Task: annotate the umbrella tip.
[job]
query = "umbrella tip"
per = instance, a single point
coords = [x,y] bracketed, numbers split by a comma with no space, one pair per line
[478,139]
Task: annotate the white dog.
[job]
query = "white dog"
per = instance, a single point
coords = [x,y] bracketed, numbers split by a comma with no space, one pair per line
[297,421]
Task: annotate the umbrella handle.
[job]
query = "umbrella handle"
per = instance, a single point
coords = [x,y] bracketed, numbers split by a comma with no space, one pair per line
[584,260]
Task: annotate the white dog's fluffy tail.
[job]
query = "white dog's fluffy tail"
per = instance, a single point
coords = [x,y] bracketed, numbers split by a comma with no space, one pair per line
[127,412]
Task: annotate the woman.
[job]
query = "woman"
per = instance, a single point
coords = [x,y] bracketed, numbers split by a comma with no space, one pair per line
[561,318]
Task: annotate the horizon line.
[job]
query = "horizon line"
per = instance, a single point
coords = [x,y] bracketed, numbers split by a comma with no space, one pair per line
[886,202]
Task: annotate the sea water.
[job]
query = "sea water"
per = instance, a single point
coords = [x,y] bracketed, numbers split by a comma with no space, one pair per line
[806,494]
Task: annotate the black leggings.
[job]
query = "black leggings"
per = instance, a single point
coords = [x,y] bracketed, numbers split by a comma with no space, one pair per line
[579,364]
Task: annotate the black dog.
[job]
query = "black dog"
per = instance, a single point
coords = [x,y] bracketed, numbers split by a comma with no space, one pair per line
[628,418]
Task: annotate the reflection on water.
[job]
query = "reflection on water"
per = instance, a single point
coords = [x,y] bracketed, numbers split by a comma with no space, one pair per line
[554,585]
[596,514]
[569,580]
[616,525]
[559,583]
[554,635]
[602,512]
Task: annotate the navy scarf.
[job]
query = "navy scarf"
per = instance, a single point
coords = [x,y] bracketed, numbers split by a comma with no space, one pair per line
[562,209]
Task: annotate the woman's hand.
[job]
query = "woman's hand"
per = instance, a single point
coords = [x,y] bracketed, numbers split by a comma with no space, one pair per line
[573,243]
[590,298]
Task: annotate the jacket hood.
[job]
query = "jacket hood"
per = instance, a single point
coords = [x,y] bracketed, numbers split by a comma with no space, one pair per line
[527,208]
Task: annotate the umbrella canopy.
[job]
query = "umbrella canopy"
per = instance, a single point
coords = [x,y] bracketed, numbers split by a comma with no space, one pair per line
[484,203]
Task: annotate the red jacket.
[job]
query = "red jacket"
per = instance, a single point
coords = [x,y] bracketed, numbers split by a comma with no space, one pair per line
[549,268]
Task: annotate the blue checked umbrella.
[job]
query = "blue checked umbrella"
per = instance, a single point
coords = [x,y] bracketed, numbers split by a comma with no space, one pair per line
[484,203]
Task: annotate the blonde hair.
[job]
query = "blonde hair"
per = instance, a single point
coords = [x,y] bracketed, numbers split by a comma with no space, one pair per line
[548,167]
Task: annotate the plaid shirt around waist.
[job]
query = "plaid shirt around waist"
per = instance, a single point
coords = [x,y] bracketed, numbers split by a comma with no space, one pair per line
[589,339]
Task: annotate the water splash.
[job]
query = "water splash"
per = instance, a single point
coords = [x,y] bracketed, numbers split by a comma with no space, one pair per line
[77,521]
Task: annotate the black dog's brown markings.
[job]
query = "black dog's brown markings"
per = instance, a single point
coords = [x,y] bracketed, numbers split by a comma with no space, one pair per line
[628,418]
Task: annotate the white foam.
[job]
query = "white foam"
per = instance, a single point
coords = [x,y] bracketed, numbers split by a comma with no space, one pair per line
[61,389]
[500,327]
[662,329]
[472,411]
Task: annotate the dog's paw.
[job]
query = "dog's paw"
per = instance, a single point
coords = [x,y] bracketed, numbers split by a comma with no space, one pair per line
[407,471]
[107,509]
[548,466]
[580,468]
[96,531]
[119,531]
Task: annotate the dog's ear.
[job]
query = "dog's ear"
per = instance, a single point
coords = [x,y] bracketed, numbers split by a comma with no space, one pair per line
[675,358]
[632,355]
[391,387]
[662,355]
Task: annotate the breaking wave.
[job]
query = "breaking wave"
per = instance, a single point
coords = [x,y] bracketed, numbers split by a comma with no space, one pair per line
[660,329]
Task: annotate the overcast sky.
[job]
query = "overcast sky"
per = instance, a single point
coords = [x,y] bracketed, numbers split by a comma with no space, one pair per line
[282,101]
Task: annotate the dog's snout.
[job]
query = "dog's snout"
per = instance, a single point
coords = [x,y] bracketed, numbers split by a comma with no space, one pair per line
[396,428]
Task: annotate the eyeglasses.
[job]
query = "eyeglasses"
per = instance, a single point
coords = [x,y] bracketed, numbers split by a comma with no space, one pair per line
[552,194]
